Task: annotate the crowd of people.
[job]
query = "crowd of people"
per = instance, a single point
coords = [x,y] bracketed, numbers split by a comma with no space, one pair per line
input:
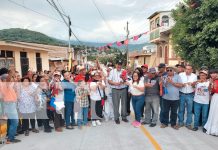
[51,99]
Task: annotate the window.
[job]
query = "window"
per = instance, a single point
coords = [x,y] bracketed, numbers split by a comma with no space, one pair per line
[157,22]
[38,62]
[152,25]
[160,52]
[6,53]
[6,59]
[2,53]
[165,21]
[37,55]
[23,54]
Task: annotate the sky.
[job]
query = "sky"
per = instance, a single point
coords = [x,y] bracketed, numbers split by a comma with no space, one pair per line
[87,23]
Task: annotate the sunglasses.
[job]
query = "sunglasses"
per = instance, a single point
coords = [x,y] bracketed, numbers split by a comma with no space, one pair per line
[170,70]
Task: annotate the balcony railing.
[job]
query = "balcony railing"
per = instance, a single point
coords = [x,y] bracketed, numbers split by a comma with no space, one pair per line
[155,34]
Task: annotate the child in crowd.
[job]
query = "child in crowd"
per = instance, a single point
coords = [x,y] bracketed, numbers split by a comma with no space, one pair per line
[82,98]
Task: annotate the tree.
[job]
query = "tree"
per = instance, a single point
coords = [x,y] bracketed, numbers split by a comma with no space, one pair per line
[195,34]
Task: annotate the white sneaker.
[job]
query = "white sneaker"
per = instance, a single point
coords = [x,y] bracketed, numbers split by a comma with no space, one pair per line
[98,122]
[93,123]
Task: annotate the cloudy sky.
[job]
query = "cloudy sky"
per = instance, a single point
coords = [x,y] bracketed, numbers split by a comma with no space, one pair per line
[87,23]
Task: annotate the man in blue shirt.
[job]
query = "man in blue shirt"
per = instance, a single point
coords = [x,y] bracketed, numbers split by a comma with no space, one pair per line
[69,97]
[171,83]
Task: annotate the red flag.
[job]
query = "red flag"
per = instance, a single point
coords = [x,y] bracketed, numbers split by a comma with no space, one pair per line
[126,42]
[135,38]
[119,44]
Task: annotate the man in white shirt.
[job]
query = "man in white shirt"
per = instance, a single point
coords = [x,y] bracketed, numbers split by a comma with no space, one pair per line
[119,93]
[186,96]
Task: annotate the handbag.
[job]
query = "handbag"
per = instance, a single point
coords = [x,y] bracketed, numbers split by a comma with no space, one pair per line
[103,98]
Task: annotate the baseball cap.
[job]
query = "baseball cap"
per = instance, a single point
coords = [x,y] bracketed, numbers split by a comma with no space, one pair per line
[179,65]
[145,65]
[119,62]
[204,71]
[161,65]
[152,70]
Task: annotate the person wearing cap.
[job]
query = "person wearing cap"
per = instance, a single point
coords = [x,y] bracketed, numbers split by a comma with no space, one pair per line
[145,73]
[211,126]
[152,98]
[69,98]
[81,75]
[119,92]
[162,69]
[145,69]
[171,84]
[161,72]
[180,68]
[201,99]
[186,96]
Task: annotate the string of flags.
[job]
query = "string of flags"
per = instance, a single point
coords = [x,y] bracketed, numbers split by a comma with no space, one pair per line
[120,43]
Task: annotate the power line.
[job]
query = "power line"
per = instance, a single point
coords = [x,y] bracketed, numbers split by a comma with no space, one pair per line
[102,16]
[18,4]
[61,7]
[62,16]
[52,18]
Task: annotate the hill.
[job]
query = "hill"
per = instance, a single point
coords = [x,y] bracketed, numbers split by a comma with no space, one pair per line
[25,35]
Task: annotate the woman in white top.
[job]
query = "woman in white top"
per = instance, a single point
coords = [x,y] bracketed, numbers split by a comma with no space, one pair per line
[27,105]
[201,100]
[138,98]
[96,94]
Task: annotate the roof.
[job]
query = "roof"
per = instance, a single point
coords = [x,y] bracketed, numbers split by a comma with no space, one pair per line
[33,46]
[137,54]
[156,13]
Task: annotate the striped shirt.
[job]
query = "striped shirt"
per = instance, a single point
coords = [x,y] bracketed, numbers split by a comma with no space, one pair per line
[115,77]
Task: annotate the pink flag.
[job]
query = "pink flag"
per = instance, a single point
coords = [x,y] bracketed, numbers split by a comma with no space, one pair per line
[126,42]
[109,44]
[146,32]
[135,38]
[119,44]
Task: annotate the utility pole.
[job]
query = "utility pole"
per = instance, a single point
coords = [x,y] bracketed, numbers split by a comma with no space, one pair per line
[127,45]
[69,49]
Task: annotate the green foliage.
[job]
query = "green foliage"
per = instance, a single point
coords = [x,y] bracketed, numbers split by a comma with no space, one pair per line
[195,34]
[24,35]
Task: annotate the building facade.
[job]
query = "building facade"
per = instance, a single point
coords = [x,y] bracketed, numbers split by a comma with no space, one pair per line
[161,24]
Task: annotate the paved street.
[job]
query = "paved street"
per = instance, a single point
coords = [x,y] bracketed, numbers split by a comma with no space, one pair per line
[110,136]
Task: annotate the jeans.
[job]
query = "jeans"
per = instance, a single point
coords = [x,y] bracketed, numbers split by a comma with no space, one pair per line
[83,116]
[198,108]
[161,110]
[172,107]
[12,125]
[11,112]
[138,103]
[69,113]
[186,100]
[152,103]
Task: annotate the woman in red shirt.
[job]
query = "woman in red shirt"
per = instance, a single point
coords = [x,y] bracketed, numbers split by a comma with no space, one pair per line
[212,123]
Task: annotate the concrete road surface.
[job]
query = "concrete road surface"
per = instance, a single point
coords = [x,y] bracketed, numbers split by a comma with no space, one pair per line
[110,136]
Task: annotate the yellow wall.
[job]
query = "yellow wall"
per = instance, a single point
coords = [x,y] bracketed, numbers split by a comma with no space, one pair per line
[31,54]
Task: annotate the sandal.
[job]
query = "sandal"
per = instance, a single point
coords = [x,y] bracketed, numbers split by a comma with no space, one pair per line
[175,127]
